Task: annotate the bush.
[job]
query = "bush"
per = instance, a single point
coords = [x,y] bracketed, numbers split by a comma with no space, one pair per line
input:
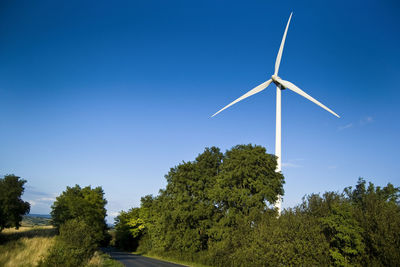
[74,246]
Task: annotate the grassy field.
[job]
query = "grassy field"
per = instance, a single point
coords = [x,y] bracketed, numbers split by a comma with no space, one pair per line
[32,220]
[25,246]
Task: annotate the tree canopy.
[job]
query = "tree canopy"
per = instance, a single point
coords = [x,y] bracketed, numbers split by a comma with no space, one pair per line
[205,201]
[217,210]
[12,207]
[85,204]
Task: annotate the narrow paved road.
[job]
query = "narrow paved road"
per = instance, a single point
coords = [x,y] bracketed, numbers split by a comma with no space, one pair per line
[131,260]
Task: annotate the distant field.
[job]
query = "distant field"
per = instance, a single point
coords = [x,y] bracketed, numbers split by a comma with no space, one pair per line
[26,246]
[36,220]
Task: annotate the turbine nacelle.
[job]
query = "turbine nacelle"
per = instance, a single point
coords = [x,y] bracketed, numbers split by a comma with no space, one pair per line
[275,79]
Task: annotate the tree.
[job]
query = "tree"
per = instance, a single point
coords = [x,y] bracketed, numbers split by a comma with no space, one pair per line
[377,211]
[246,183]
[129,228]
[184,210]
[208,208]
[85,204]
[344,235]
[12,207]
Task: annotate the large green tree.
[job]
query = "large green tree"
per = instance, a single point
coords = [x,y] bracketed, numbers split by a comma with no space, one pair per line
[185,208]
[246,186]
[12,207]
[86,204]
[208,205]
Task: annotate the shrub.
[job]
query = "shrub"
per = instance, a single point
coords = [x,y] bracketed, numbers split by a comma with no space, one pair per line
[74,246]
[293,239]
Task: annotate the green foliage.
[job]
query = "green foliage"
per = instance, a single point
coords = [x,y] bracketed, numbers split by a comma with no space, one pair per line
[216,210]
[207,205]
[185,208]
[74,246]
[85,204]
[129,229]
[378,213]
[245,182]
[247,179]
[362,225]
[344,235]
[137,227]
[12,207]
[293,239]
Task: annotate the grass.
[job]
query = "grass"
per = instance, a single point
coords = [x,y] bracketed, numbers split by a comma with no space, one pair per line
[30,221]
[172,260]
[25,246]
[101,259]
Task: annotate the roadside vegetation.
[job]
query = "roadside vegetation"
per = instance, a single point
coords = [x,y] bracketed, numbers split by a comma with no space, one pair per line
[217,211]
[79,215]
[29,246]
[25,246]
[100,259]
[78,228]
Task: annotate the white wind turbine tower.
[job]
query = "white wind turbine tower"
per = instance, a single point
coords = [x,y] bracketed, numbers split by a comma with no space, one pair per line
[280,85]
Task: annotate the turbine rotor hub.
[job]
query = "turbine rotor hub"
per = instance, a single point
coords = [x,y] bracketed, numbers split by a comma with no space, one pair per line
[275,78]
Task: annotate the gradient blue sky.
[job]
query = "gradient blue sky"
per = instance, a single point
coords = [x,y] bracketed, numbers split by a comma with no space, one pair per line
[115,93]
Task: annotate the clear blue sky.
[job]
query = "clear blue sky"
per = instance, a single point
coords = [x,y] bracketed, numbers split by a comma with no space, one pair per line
[116,93]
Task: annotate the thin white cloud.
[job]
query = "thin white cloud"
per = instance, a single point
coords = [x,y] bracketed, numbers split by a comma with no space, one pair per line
[362,122]
[291,165]
[46,199]
[366,120]
[41,201]
[347,126]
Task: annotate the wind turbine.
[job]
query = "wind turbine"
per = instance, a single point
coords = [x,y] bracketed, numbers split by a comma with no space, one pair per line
[280,85]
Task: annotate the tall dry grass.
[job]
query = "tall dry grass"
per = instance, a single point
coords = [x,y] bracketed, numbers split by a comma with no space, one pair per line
[25,246]
[101,259]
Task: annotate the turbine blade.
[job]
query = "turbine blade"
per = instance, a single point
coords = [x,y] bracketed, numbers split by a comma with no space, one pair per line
[296,89]
[253,91]
[279,56]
